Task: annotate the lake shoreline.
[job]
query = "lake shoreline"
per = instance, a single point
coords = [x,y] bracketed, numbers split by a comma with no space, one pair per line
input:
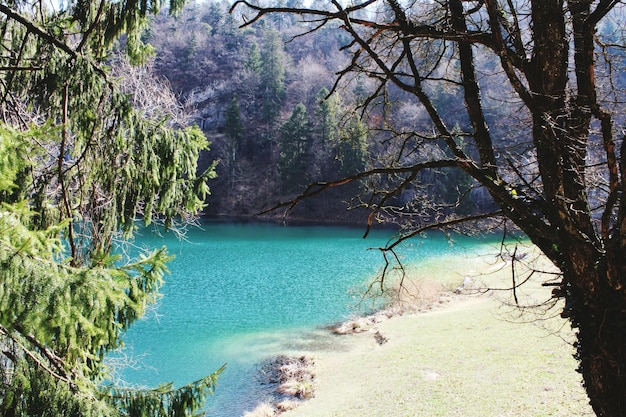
[237,294]
[296,221]
[443,358]
[293,388]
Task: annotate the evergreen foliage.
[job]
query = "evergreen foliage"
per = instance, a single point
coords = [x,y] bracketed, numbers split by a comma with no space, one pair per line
[295,145]
[219,71]
[80,163]
[233,127]
[351,149]
[253,61]
[272,77]
[326,115]
[251,182]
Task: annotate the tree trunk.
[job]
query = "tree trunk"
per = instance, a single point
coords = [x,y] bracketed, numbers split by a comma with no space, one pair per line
[601,339]
[595,299]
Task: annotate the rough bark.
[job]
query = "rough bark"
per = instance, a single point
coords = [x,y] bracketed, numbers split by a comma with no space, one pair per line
[561,128]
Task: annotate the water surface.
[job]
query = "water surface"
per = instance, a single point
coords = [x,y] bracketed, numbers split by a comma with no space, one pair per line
[239,293]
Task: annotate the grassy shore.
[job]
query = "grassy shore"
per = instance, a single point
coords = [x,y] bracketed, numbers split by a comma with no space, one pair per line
[463,353]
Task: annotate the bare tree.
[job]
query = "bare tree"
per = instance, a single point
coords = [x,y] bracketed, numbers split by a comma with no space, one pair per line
[560,177]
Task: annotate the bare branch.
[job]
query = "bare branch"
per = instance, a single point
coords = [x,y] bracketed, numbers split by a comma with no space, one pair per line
[319,187]
[442,225]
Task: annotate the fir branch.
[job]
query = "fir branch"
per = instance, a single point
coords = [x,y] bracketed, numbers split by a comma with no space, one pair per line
[59,375]
[34,28]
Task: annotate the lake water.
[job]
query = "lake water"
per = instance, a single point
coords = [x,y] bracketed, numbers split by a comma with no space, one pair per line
[239,293]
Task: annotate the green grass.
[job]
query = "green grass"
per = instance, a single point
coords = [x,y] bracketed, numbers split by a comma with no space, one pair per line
[471,357]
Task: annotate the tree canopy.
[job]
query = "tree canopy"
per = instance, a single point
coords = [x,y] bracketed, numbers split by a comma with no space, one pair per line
[84,156]
[555,167]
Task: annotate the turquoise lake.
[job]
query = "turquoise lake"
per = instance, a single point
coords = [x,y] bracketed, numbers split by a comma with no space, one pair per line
[240,293]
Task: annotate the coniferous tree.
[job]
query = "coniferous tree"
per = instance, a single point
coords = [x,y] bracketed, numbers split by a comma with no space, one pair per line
[233,128]
[351,148]
[253,60]
[272,86]
[326,113]
[82,158]
[295,145]
[214,17]
[233,37]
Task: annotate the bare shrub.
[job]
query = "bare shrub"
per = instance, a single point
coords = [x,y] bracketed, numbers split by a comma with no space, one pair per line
[298,388]
[293,380]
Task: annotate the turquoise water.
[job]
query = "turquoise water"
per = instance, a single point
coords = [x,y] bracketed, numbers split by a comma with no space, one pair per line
[239,293]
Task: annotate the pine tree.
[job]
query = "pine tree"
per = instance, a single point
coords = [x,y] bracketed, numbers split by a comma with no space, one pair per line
[351,149]
[233,36]
[82,160]
[233,127]
[213,17]
[253,60]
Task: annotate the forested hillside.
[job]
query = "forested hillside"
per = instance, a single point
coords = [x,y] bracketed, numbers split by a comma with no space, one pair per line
[262,98]
[261,95]
[263,101]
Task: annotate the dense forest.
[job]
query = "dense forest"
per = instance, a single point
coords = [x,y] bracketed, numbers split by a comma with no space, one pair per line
[261,96]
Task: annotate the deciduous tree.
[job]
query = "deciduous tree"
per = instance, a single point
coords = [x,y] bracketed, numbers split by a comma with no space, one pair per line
[560,176]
